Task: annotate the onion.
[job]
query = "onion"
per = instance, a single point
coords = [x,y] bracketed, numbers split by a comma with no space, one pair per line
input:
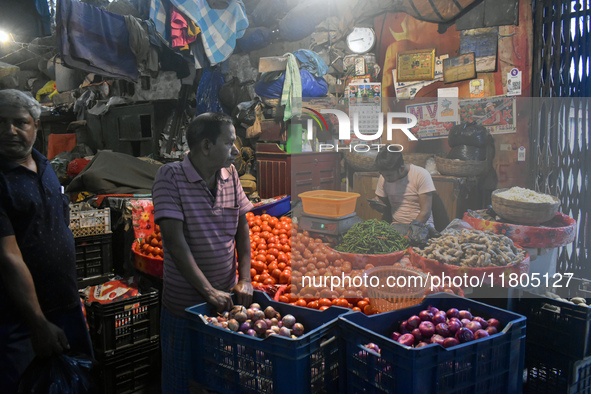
[269,323]
[413,322]
[437,339]
[298,329]
[274,322]
[233,325]
[405,328]
[255,306]
[453,325]
[270,312]
[480,334]
[417,334]
[258,315]
[473,326]
[407,339]
[288,321]
[427,329]
[421,344]
[373,347]
[260,327]
[285,332]
[224,324]
[250,313]
[465,315]
[452,312]
[465,321]
[494,322]
[464,335]
[451,341]
[439,317]
[395,336]
[226,315]
[244,327]
[443,329]
[238,309]
[482,322]
[432,309]
[275,329]
[491,330]
[425,315]
[241,317]
[251,333]
[268,333]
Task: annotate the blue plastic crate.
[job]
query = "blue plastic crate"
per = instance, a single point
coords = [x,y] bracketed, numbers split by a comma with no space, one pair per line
[551,373]
[276,208]
[228,362]
[489,365]
[550,320]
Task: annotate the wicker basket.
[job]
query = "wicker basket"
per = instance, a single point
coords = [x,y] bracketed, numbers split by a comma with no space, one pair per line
[461,168]
[521,212]
[359,162]
[418,159]
[387,296]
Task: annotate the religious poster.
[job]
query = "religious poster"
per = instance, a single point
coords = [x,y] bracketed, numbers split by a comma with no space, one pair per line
[497,114]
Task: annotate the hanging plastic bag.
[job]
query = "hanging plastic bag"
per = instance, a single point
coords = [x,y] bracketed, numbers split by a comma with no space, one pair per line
[311,86]
[208,92]
[58,374]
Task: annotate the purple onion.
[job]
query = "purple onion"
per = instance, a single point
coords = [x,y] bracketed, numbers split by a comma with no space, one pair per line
[493,322]
[250,313]
[491,330]
[465,315]
[464,335]
[373,347]
[298,329]
[425,315]
[288,321]
[473,326]
[260,327]
[432,309]
[427,329]
[417,334]
[251,332]
[451,341]
[413,322]
[395,336]
[285,332]
[405,328]
[453,325]
[452,312]
[437,339]
[465,321]
[480,334]
[439,317]
[482,322]
[443,329]
[407,339]
[244,327]
[255,306]
[421,344]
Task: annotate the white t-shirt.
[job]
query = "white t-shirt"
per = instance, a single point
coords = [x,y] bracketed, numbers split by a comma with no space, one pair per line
[403,194]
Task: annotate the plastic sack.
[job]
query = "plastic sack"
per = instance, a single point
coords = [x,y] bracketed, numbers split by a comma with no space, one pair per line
[207,92]
[420,233]
[58,374]
[312,62]
[311,86]
[467,152]
[468,134]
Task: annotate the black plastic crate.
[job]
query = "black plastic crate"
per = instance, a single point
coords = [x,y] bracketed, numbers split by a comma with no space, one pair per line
[551,373]
[125,323]
[130,370]
[549,320]
[94,259]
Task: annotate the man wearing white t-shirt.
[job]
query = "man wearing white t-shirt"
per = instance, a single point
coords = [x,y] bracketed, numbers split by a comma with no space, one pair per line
[406,189]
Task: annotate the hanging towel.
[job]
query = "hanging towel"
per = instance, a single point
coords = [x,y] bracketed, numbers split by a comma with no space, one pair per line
[219,28]
[158,16]
[291,96]
[94,40]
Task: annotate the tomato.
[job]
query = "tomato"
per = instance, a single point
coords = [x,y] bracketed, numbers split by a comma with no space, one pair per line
[323,308]
[324,301]
[285,277]
[284,298]
[342,303]
[276,273]
[256,229]
[301,302]
[262,246]
[253,272]
[270,258]
[265,216]
[261,257]
[362,304]
[273,251]
[272,266]
[281,266]
[313,305]
[259,267]
[249,215]
[286,248]
[270,281]
[273,222]
[368,310]
[267,228]
[282,257]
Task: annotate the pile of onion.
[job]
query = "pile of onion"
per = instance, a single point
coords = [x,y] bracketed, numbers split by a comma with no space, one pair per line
[446,328]
[257,322]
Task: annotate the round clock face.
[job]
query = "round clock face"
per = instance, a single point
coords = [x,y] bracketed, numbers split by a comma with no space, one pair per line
[361,39]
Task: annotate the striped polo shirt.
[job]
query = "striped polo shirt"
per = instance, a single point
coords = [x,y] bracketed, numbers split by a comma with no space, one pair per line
[209,225]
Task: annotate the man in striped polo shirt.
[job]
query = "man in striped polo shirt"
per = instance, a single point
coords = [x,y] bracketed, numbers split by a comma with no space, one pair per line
[200,207]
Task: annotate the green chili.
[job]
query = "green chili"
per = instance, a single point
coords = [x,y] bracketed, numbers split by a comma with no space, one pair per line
[372,237]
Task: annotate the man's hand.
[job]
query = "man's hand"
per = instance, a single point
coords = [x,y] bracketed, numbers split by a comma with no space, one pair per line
[377,205]
[48,339]
[220,300]
[243,290]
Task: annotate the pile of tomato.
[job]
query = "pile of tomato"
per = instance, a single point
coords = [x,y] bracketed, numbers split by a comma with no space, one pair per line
[151,246]
[270,243]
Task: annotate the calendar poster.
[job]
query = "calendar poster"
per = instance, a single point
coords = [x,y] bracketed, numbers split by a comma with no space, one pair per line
[365,102]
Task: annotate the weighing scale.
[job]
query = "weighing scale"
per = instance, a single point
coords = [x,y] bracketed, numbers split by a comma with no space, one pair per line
[329,229]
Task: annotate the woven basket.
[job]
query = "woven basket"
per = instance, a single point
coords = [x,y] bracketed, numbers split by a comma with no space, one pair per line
[359,162]
[461,168]
[418,159]
[387,296]
[522,212]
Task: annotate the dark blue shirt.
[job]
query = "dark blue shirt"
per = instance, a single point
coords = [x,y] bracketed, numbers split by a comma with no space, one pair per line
[33,209]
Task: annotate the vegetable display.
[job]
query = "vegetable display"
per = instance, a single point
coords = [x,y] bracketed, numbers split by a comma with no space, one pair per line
[446,328]
[372,237]
[151,246]
[471,248]
[580,301]
[256,322]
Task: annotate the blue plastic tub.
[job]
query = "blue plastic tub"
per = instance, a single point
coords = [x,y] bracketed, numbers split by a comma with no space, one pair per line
[276,208]
[228,362]
[488,365]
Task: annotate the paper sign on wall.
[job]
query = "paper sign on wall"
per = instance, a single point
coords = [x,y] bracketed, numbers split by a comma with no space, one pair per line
[447,105]
[477,88]
[514,82]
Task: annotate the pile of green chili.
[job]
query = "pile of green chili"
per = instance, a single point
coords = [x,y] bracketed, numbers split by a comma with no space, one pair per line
[372,237]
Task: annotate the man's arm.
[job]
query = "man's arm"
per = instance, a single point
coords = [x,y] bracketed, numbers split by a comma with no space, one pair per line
[243,288]
[176,244]
[425,202]
[46,337]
